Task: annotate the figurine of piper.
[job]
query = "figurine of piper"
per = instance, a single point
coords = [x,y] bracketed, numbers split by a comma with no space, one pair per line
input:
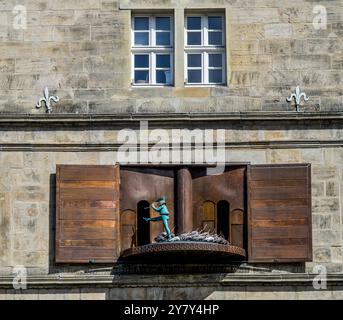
[164,214]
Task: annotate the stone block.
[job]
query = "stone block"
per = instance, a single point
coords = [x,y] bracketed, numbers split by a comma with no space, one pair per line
[306,31]
[33,65]
[337,61]
[325,205]
[112,106]
[108,80]
[75,136]
[313,156]
[38,33]
[323,46]
[331,188]
[245,78]
[310,62]
[94,294]
[278,31]
[11,160]
[71,33]
[296,14]
[57,18]
[321,221]
[6,65]
[244,32]
[75,5]
[324,172]
[251,62]
[29,294]
[284,156]
[336,254]
[321,254]
[317,189]
[245,47]
[326,238]
[76,158]
[5,228]
[253,156]
[255,15]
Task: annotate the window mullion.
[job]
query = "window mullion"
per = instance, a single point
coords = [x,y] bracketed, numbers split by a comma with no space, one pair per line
[205,30]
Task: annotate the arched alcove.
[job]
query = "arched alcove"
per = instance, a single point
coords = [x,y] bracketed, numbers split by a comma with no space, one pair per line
[223,219]
[208,215]
[128,229]
[143,227]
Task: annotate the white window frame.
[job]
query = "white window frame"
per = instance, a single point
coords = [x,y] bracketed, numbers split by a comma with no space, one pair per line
[152,50]
[205,49]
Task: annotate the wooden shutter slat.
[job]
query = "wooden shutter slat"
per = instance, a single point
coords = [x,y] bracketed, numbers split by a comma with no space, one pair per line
[87,173]
[87,214]
[284,172]
[279,221]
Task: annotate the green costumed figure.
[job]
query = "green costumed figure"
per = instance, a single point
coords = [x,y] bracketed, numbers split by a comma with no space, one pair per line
[164,214]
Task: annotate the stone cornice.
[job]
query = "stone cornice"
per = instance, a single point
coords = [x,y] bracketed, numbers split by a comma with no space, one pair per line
[167,119]
[55,281]
[98,147]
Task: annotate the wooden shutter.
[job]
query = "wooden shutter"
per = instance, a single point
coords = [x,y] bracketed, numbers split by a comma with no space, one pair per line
[279,221]
[87,213]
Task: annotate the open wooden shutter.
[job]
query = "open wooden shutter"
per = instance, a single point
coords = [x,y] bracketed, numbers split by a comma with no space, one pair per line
[279,221]
[87,213]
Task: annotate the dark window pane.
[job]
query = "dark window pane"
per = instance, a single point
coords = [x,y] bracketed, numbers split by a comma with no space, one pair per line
[141,23]
[142,76]
[142,38]
[163,76]
[193,38]
[215,23]
[194,76]
[194,60]
[141,61]
[163,38]
[215,38]
[162,23]
[215,60]
[162,61]
[215,76]
[193,23]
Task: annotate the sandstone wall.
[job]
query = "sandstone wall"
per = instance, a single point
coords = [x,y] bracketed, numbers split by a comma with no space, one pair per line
[27,186]
[81,51]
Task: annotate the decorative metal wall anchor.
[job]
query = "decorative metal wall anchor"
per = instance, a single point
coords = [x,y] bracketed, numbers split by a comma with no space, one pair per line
[297,97]
[47,99]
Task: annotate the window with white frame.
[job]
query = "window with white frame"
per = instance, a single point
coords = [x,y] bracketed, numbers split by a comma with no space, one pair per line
[205,62]
[152,50]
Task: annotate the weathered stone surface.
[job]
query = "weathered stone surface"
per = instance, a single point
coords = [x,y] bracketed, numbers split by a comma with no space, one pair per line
[321,255]
[322,221]
[325,205]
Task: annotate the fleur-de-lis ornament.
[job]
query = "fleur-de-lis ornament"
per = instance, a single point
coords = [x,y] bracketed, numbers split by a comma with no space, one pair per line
[47,99]
[297,97]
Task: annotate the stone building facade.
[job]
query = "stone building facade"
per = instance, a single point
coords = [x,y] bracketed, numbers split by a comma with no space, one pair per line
[81,51]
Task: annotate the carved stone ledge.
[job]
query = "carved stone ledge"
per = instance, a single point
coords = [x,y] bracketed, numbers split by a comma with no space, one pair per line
[113,281]
[66,120]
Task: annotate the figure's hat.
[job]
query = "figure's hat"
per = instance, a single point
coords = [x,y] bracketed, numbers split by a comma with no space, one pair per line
[161,200]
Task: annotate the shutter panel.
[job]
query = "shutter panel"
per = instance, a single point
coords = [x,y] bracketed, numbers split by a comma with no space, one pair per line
[279,221]
[87,213]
